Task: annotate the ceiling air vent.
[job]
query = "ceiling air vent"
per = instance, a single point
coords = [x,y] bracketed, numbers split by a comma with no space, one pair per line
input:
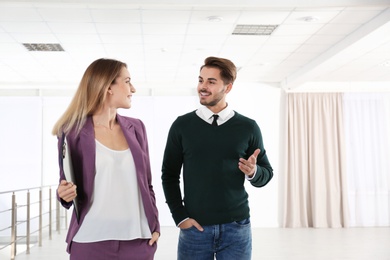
[43,46]
[254,29]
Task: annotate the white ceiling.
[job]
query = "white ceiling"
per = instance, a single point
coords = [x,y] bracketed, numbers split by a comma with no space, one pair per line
[165,42]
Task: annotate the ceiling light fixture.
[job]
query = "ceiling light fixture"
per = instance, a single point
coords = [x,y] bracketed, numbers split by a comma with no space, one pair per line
[263,64]
[386,63]
[214,19]
[310,19]
[43,47]
[254,29]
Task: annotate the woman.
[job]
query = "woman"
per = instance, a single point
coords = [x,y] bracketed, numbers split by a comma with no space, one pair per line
[117,214]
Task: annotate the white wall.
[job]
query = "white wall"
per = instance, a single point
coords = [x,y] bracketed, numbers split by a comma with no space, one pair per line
[20,142]
[25,161]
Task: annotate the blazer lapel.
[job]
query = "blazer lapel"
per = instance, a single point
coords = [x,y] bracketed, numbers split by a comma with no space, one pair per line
[132,136]
[88,147]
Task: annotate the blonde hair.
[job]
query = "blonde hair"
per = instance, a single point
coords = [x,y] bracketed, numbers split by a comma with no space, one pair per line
[90,95]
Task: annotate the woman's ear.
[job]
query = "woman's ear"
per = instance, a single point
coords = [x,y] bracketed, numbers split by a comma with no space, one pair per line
[109,91]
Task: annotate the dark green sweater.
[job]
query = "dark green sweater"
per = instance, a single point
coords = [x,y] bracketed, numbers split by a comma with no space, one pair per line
[214,191]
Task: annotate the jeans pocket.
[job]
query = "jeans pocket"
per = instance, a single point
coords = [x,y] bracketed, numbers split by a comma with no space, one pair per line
[188,229]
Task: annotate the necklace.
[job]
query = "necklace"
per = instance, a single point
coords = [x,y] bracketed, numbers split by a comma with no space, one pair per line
[107,127]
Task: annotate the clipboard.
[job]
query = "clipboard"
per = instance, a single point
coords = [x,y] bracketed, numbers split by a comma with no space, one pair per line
[67,167]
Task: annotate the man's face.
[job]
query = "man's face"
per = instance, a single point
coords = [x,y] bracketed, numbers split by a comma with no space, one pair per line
[211,89]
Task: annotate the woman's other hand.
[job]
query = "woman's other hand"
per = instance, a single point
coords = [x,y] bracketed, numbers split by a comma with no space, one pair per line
[154,238]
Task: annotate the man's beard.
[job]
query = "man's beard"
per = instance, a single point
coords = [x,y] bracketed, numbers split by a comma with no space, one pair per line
[218,97]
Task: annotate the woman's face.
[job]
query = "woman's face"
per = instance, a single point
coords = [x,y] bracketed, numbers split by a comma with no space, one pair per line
[121,91]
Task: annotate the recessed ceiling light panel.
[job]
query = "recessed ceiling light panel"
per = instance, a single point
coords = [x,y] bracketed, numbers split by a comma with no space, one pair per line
[254,29]
[43,47]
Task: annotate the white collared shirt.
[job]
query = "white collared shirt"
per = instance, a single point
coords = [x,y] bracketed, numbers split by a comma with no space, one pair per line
[207,115]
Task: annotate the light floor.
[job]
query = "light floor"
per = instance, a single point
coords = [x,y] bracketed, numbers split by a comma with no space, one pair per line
[268,243]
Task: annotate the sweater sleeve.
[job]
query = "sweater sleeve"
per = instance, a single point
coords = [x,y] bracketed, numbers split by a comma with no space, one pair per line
[171,169]
[264,170]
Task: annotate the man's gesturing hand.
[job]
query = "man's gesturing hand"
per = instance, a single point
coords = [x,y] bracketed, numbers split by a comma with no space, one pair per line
[248,167]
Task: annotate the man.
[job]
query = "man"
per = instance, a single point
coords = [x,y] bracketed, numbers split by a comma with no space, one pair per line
[218,149]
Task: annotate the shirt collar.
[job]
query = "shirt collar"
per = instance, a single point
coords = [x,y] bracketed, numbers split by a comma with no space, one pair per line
[223,114]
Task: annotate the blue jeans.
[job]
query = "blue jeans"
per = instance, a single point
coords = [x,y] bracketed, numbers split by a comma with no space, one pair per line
[231,241]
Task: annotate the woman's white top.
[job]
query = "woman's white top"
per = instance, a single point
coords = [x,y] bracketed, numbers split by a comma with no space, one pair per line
[116,211]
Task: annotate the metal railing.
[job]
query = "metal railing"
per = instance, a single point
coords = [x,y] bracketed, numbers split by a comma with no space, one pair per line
[29,207]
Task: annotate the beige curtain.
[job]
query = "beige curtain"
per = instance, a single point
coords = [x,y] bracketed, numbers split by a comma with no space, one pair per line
[313,177]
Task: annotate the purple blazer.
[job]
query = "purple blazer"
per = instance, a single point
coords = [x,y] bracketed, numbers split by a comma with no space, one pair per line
[82,148]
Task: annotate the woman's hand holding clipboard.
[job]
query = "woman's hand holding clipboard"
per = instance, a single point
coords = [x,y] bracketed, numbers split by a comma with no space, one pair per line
[67,190]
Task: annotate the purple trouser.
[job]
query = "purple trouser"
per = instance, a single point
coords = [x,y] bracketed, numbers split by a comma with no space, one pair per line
[138,249]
